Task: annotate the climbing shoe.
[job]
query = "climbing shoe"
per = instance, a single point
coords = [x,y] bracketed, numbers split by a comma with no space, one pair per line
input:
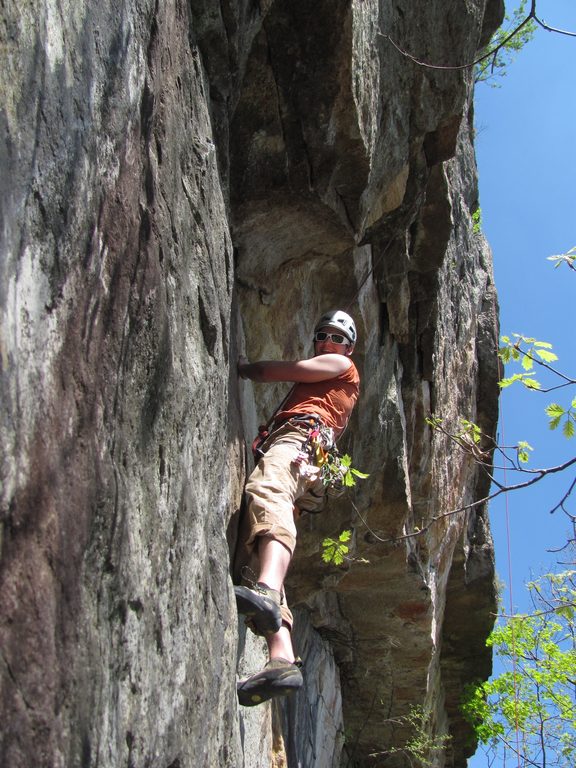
[261,606]
[278,678]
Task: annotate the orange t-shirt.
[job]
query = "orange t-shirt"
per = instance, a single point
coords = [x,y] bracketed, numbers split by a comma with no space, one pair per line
[331,399]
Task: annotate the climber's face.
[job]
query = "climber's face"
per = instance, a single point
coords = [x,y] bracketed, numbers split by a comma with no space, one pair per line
[327,340]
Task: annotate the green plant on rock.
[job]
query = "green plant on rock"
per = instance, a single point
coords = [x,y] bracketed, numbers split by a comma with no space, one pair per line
[477,221]
[422,747]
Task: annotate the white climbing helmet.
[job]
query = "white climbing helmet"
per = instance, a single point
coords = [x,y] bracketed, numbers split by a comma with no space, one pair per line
[340,321]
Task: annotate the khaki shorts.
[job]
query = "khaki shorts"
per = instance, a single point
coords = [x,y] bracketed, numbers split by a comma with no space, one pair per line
[278,484]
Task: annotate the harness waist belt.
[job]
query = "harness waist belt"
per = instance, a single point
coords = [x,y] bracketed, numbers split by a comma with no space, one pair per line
[306,419]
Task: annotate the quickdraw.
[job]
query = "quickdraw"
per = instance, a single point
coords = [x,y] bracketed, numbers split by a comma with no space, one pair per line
[319,440]
[320,449]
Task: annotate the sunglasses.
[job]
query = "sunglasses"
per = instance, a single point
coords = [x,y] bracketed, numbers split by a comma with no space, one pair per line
[337,338]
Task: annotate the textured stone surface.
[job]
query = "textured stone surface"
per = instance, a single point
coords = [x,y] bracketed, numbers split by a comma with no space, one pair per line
[178,182]
[120,467]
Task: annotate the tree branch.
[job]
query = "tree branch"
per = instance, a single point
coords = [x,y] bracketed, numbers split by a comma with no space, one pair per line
[548,367]
[548,28]
[492,53]
[563,500]
[541,473]
[471,64]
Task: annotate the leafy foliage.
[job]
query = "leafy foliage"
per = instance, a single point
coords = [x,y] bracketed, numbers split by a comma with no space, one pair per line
[495,66]
[338,471]
[477,220]
[338,474]
[522,449]
[530,709]
[556,413]
[471,431]
[468,437]
[334,551]
[528,351]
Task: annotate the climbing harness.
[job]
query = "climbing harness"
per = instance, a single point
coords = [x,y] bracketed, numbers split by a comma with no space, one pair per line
[318,449]
[318,438]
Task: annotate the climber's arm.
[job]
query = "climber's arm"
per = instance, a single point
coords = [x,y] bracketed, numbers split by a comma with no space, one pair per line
[314,369]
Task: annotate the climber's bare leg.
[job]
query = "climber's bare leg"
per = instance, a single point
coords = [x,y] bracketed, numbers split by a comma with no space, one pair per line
[280,644]
[274,559]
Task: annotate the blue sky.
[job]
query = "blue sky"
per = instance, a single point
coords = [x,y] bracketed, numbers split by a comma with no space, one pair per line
[526,154]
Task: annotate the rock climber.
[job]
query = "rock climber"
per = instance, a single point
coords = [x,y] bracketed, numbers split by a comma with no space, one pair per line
[286,482]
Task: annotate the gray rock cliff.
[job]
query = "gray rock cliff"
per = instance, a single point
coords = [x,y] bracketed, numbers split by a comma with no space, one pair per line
[179,183]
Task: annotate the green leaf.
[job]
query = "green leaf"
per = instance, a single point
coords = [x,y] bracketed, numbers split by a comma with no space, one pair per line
[471,430]
[328,555]
[523,447]
[362,475]
[555,412]
[566,611]
[335,551]
[527,362]
[568,429]
[349,480]
[346,460]
[548,357]
[503,383]
[530,383]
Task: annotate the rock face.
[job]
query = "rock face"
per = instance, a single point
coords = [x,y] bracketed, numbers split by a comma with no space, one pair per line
[180,182]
